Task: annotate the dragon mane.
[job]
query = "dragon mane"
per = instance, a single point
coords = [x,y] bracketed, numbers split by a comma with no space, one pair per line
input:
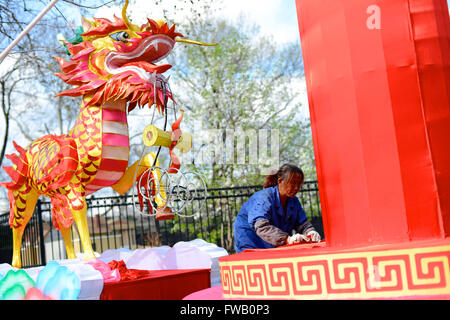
[86,71]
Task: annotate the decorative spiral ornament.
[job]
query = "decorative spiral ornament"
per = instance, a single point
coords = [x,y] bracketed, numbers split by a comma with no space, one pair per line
[171,192]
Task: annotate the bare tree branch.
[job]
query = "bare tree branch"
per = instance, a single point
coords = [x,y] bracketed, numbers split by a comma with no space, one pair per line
[89,7]
[22,129]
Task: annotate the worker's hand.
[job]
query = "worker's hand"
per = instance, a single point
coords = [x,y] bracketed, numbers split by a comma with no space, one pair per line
[314,235]
[297,238]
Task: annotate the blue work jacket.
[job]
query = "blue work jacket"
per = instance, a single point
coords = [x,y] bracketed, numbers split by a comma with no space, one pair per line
[265,204]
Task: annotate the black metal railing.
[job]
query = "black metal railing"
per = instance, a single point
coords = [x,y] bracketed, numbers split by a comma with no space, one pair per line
[115,222]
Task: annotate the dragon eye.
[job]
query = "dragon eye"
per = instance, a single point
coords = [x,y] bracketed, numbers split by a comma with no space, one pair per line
[120,36]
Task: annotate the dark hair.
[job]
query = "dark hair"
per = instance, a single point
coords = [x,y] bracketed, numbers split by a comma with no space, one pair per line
[284,172]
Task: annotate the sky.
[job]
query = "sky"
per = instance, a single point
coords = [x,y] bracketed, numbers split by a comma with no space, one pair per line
[277,18]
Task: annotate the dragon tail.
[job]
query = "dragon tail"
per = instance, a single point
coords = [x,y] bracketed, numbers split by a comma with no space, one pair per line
[18,188]
[17,172]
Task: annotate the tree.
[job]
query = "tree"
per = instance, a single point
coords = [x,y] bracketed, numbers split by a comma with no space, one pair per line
[243,85]
[17,70]
[239,90]
[27,83]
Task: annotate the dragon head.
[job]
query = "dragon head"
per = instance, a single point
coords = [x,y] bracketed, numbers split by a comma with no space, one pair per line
[118,60]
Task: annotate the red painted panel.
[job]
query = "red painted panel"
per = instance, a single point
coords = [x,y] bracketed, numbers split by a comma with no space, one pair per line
[379,109]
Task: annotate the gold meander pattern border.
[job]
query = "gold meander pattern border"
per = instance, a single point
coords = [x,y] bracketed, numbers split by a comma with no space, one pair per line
[357,275]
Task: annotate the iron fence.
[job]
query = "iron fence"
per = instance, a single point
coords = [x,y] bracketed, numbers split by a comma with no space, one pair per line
[115,222]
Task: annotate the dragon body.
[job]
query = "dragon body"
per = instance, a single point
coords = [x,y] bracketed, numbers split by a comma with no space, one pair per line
[114,70]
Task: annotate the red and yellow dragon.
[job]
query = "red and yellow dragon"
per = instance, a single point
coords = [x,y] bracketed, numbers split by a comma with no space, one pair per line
[114,70]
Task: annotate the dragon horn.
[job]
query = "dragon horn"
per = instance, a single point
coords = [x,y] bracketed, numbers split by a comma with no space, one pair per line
[125,18]
[195,42]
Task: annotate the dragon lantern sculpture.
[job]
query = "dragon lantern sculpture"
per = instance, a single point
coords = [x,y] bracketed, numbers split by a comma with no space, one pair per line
[114,70]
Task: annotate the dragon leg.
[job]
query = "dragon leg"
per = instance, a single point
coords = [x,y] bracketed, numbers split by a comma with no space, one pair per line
[80,218]
[67,208]
[67,237]
[62,220]
[23,202]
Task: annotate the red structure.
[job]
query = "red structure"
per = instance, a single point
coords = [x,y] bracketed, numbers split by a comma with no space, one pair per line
[380,112]
[378,79]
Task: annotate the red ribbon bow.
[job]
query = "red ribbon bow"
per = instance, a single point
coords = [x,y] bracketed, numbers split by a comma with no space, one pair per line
[125,273]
